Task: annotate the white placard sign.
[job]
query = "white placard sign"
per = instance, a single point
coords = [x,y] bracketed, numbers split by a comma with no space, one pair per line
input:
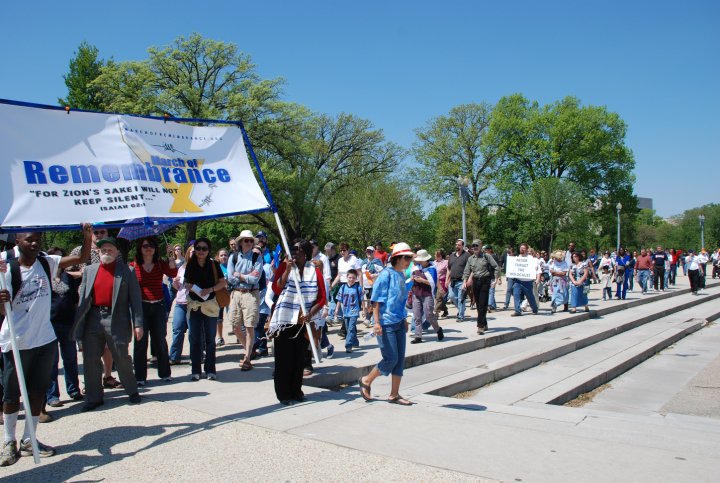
[521,268]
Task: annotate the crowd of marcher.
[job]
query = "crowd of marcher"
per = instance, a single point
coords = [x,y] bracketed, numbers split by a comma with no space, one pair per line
[95,301]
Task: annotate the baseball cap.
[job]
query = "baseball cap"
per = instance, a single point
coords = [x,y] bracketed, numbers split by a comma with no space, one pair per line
[110,240]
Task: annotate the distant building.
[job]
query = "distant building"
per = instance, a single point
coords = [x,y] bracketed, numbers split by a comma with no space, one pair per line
[645,204]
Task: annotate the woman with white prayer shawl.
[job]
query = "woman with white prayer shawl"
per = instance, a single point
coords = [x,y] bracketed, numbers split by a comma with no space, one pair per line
[287,323]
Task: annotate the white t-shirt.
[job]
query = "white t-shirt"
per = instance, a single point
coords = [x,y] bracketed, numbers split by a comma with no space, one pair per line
[692,262]
[31,307]
[344,266]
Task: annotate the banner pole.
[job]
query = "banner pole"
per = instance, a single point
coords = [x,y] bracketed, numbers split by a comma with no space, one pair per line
[316,353]
[20,373]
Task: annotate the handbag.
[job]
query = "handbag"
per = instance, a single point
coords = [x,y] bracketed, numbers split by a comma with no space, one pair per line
[222,296]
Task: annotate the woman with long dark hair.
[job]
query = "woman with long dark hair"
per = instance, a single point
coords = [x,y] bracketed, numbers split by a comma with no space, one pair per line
[203,277]
[180,313]
[149,271]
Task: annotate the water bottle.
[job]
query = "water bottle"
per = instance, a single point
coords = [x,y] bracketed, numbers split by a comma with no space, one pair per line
[367,337]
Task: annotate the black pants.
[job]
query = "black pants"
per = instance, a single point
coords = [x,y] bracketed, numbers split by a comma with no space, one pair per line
[694,276]
[155,326]
[481,292]
[290,350]
[660,277]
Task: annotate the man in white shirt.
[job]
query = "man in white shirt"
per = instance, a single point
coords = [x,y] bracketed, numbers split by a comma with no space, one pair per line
[28,280]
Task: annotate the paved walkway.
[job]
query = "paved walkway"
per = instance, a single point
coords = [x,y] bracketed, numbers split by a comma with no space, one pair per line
[234,429]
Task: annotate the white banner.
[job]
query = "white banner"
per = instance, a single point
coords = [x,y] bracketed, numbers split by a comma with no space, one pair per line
[521,268]
[63,168]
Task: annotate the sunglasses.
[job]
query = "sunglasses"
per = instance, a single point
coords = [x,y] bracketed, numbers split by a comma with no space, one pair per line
[474,246]
[408,257]
[248,240]
[201,248]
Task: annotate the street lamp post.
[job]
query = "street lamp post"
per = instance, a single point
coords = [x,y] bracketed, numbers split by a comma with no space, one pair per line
[462,187]
[702,230]
[619,207]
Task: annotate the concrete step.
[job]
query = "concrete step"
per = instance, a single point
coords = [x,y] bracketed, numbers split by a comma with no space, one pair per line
[471,371]
[564,378]
[460,338]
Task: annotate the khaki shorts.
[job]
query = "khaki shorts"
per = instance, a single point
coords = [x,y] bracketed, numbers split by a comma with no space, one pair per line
[244,308]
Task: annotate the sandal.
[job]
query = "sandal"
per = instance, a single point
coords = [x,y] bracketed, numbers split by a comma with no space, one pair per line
[400,400]
[246,366]
[364,387]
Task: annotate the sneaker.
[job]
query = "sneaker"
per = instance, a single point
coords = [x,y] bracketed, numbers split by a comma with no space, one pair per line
[440,334]
[330,351]
[480,331]
[10,454]
[167,379]
[44,450]
[55,403]
[134,398]
[76,396]
[142,383]
[219,342]
[416,340]
[553,308]
[515,314]
[211,376]
[348,350]
[195,377]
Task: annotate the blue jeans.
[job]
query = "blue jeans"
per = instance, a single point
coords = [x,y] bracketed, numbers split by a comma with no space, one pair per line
[392,348]
[260,336]
[202,335]
[491,298]
[179,327]
[509,290]
[457,297]
[68,350]
[621,291]
[643,277]
[526,287]
[351,339]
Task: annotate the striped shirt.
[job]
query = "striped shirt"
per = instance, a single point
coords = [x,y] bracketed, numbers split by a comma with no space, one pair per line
[151,282]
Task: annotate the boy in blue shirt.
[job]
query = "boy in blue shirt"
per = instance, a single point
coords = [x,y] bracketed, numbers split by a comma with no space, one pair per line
[350,296]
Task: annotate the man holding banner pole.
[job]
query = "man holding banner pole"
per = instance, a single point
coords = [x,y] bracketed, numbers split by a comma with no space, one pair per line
[27,339]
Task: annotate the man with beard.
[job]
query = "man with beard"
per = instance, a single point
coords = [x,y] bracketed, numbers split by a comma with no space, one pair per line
[28,283]
[110,306]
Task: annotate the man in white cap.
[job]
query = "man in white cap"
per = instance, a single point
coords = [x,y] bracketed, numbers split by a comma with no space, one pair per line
[243,273]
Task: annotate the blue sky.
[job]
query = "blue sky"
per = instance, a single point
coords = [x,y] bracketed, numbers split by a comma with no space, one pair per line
[399,64]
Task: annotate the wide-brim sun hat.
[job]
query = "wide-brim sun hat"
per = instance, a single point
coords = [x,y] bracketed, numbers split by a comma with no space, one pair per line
[401,249]
[422,256]
[245,235]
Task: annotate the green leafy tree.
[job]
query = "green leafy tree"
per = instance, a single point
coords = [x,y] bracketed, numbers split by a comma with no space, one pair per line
[451,147]
[377,209]
[84,68]
[565,140]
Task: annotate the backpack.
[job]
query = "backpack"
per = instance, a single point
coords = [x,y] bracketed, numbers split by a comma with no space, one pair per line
[262,283]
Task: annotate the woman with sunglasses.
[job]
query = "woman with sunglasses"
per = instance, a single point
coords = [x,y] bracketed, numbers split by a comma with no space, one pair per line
[149,270]
[389,297]
[203,276]
[287,324]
